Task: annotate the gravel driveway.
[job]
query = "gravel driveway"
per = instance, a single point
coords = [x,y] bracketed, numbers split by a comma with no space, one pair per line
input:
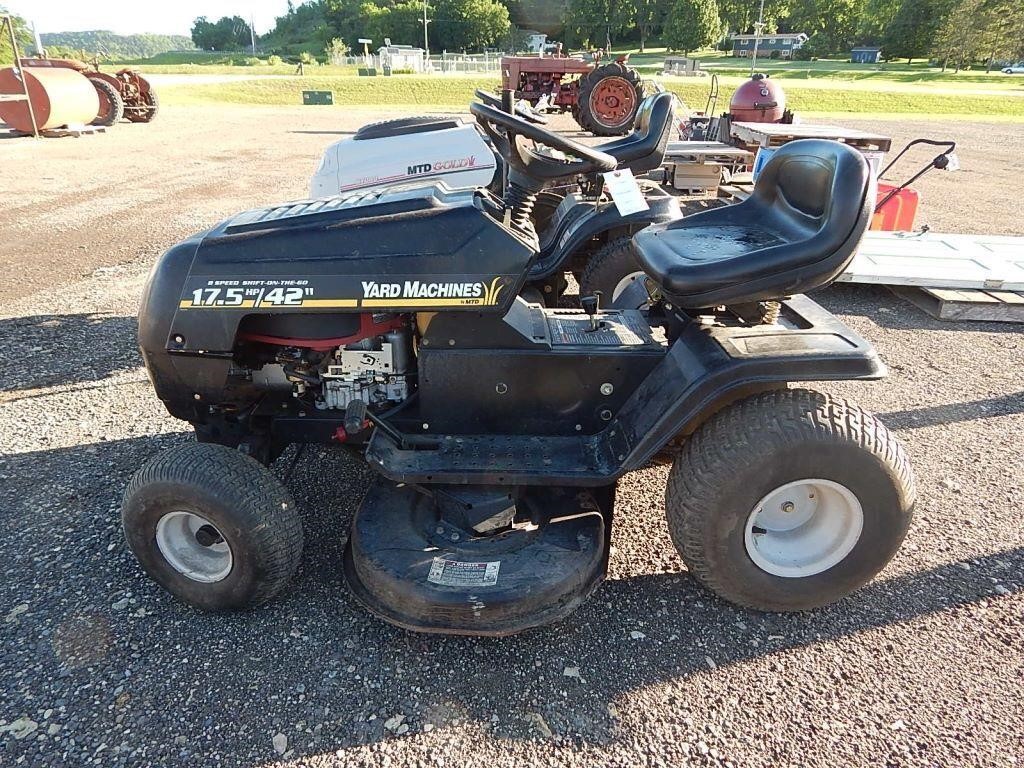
[924,667]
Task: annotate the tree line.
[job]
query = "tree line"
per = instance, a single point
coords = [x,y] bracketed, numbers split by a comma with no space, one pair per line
[113,46]
[954,32]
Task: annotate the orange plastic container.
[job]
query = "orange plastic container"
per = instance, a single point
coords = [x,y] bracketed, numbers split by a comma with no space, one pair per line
[898,213]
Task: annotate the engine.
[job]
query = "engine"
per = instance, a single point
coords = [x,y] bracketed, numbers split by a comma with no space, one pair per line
[372,370]
[377,369]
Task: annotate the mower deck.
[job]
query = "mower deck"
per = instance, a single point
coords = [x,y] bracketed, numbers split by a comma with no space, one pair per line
[411,565]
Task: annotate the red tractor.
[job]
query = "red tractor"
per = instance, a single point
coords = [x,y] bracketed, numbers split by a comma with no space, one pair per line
[603,98]
[126,94]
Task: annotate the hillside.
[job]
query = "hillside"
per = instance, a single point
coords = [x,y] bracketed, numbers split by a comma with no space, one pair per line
[117,46]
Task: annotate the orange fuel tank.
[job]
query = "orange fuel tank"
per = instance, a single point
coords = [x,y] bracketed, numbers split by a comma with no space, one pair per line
[59,97]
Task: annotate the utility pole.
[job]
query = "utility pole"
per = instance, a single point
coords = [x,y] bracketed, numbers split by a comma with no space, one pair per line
[426,39]
[758,28]
[252,33]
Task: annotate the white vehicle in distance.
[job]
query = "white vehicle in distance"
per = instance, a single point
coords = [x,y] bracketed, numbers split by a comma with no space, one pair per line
[1016,69]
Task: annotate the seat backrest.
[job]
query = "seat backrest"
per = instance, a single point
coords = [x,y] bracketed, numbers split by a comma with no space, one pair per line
[798,231]
[644,149]
[814,186]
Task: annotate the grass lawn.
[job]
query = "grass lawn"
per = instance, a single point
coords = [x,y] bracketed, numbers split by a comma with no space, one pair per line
[831,69]
[807,96]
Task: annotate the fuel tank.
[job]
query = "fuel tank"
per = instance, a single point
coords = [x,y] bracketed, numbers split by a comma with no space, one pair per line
[59,97]
[422,249]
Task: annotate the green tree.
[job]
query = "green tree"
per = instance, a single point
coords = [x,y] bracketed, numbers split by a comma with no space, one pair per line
[597,22]
[832,23]
[21,34]
[471,24]
[739,16]
[911,33]
[303,28]
[230,33]
[692,24]
[649,17]
[874,19]
[979,30]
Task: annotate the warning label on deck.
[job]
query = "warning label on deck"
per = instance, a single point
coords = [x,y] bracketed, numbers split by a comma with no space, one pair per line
[450,573]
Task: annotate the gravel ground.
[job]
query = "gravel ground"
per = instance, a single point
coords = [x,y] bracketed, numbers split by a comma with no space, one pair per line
[924,667]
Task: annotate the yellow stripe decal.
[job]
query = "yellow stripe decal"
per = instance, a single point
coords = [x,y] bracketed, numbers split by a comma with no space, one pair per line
[330,303]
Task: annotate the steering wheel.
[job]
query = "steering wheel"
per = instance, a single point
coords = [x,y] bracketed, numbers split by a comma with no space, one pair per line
[505,129]
[521,108]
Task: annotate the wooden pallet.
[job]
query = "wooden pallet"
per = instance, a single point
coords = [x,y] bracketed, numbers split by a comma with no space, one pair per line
[950,304]
[777,134]
[72,130]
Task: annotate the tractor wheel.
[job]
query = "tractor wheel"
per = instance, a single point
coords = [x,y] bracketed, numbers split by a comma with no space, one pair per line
[609,98]
[789,500]
[111,104]
[146,112]
[212,527]
[610,270]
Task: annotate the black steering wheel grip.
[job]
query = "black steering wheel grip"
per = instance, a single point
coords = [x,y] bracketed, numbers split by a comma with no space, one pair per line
[530,162]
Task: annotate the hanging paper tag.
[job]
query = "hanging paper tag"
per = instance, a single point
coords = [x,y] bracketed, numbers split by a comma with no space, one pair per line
[625,192]
[954,162]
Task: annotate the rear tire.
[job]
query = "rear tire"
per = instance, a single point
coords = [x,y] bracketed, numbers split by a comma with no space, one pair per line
[212,527]
[608,100]
[111,104]
[608,267]
[852,493]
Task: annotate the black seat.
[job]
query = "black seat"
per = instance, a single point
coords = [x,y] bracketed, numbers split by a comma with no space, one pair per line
[797,231]
[644,149]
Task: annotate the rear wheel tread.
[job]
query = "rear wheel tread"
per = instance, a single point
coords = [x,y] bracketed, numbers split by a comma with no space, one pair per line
[607,265]
[778,420]
[587,120]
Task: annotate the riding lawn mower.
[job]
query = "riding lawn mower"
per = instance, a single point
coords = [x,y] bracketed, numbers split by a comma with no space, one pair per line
[394,324]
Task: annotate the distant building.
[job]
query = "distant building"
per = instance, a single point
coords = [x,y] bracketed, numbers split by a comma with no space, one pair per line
[402,57]
[535,42]
[780,45]
[866,55]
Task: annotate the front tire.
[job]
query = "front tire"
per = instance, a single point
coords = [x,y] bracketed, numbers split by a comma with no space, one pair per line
[212,527]
[146,110]
[789,500]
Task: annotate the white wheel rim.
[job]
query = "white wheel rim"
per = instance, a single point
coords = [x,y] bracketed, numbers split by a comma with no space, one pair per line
[625,282]
[803,528]
[194,547]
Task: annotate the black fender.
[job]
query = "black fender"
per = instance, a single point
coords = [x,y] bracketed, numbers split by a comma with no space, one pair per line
[177,379]
[708,368]
[705,369]
[570,232]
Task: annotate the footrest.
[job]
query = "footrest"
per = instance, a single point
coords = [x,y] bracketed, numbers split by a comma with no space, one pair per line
[497,460]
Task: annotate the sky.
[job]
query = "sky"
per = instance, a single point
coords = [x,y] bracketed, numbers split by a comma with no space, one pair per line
[168,17]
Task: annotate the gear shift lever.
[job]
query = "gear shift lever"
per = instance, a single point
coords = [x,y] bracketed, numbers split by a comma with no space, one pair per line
[591,305]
